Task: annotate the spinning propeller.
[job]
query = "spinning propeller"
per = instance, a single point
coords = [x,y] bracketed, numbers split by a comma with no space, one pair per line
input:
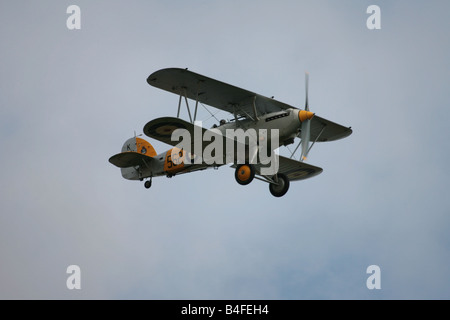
[305,118]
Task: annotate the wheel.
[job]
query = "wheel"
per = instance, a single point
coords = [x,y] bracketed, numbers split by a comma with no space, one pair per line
[280,189]
[244,174]
[148,184]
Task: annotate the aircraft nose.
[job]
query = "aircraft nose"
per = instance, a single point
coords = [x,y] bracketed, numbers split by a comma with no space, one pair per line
[305,115]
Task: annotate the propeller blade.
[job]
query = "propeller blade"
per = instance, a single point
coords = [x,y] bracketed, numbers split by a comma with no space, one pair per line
[306,123]
[305,136]
[306,90]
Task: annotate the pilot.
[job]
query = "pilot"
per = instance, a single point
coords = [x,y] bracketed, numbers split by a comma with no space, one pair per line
[221,122]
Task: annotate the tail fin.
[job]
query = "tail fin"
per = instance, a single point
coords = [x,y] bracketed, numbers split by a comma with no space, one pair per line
[139,145]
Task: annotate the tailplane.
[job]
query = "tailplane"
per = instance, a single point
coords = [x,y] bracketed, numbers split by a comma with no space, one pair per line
[136,152]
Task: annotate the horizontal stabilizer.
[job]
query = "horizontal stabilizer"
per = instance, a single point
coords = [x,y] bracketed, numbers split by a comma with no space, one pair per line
[130,159]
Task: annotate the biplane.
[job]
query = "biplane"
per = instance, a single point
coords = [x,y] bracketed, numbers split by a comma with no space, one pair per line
[279,123]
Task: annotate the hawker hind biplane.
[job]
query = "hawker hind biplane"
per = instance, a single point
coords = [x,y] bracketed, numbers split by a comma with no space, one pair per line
[275,123]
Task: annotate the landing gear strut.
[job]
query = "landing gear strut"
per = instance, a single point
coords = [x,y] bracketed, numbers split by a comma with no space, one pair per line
[281,185]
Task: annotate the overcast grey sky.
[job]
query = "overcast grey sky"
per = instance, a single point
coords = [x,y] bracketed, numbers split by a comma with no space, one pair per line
[70,98]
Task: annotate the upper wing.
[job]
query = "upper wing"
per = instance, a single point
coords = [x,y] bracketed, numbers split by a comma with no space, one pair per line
[213,92]
[328,130]
[234,100]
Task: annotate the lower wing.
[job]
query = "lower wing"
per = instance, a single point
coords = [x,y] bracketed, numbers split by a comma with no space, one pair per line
[293,169]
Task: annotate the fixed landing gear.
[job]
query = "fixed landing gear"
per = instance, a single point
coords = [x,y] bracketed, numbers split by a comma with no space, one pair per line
[148,184]
[244,174]
[280,186]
